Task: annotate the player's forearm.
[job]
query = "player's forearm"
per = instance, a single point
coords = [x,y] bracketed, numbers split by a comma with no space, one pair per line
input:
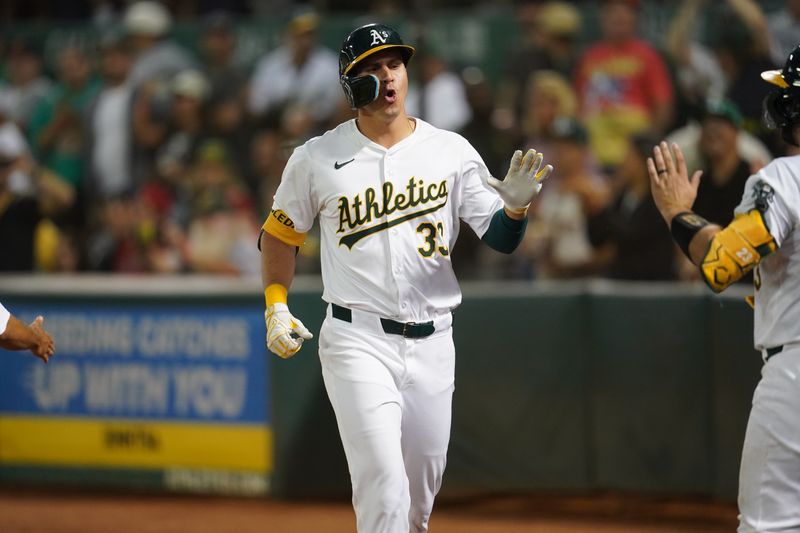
[17,336]
[698,240]
[698,247]
[505,233]
[277,261]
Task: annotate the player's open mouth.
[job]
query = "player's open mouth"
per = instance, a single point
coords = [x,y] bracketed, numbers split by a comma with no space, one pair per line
[391,95]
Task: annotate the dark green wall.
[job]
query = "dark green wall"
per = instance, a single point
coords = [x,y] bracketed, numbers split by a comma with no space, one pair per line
[560,387]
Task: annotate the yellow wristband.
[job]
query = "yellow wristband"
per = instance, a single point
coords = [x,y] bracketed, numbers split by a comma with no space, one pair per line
[275,293]
[521,211]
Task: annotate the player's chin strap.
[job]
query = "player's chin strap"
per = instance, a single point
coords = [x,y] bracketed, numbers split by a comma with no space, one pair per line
[361,90]
[733,252]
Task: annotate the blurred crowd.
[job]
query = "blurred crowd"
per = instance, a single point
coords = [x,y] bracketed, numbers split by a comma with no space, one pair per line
[139,155]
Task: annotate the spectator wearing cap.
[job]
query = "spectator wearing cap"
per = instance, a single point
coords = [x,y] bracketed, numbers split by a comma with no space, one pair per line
[629,231]
[157,58]
[223,224]
[186,127]
[623,85]
[748,147]
[25,85]
[21,214]
[726,172]
[300,74]
[558,243]
[549,42]
[56,128]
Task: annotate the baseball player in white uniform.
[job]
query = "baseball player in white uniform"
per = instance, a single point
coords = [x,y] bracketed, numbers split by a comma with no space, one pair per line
[389,191]
[764,235]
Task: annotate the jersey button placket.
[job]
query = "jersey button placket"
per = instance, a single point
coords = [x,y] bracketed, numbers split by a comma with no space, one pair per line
[394,244]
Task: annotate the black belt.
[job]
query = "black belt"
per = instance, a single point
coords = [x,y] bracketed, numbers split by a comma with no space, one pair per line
[409,330]
[773,351]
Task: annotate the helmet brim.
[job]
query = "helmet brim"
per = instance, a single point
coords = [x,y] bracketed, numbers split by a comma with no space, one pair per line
[775,77]
[407,50]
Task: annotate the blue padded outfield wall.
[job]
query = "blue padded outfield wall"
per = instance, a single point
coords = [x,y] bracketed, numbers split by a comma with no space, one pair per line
[146,388]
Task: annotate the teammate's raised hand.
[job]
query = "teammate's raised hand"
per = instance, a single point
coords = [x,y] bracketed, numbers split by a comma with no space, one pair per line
[523,180]
[285,333]
[673,191]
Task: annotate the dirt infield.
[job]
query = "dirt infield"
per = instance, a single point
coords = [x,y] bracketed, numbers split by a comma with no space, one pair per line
[29,512]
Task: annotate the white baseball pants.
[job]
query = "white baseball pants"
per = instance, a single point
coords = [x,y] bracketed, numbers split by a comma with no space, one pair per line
[769,479]
[392,398]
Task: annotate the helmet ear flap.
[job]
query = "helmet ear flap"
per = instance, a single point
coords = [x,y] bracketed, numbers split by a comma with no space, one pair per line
[771,114]
[361,90]
[781,110]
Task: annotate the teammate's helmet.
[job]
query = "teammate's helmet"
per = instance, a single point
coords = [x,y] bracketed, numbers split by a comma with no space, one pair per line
[782,106]
[361,43]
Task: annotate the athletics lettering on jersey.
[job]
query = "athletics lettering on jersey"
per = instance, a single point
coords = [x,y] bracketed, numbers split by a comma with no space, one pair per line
[357,213]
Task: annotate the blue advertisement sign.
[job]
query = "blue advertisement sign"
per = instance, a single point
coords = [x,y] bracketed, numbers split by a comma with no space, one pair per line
[190,363]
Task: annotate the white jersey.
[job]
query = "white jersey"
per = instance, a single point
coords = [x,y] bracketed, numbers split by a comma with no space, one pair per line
[4,316]
[389,218]
[777,277]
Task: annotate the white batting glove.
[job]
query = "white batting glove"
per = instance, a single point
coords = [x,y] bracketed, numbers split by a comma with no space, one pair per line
[285,333]
[523,181]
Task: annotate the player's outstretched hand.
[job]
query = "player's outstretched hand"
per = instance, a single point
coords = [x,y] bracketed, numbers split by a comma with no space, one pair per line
[523,181]
[285,333]
[673,191]
[43,346]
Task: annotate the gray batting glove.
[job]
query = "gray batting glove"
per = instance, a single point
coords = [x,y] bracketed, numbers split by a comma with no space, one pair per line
[285,333]
[523,181]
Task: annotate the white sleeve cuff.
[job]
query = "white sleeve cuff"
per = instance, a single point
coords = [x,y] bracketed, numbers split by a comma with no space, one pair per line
[4,316]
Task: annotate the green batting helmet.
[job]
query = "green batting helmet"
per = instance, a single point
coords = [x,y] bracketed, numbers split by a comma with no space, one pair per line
[361,43]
